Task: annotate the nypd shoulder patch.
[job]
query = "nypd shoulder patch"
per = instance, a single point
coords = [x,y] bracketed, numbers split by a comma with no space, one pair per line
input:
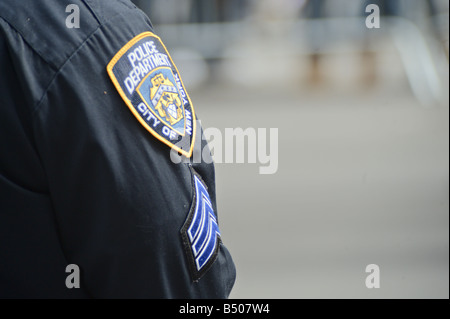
[200,232]
[149,82]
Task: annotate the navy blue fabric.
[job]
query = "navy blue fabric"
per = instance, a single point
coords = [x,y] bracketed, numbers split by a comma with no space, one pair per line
[81,180]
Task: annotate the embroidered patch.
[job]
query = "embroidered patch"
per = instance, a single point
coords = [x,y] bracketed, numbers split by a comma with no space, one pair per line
[200,233]
[149,82]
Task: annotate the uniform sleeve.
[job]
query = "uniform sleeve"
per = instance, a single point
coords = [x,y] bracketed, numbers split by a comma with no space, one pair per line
[119,200]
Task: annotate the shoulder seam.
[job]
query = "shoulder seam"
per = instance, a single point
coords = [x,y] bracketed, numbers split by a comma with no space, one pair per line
[29,45]
[58,71]
[92,12]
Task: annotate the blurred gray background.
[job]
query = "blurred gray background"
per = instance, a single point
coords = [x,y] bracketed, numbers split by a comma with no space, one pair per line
[363,120]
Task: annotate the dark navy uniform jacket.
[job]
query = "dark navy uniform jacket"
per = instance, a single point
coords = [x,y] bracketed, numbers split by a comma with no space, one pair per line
[82,181]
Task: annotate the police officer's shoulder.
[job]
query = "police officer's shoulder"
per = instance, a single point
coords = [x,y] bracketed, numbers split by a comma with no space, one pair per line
[51,27]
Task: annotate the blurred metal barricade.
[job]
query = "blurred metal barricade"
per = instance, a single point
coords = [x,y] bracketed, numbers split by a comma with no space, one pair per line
[210,27]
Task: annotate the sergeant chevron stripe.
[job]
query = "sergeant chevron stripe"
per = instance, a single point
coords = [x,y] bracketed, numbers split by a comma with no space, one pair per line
[200,233]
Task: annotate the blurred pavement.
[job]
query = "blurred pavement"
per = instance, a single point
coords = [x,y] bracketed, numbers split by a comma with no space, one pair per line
[363,178]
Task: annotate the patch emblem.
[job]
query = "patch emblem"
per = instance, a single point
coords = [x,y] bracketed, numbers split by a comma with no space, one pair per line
[200,233]
[149,82]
